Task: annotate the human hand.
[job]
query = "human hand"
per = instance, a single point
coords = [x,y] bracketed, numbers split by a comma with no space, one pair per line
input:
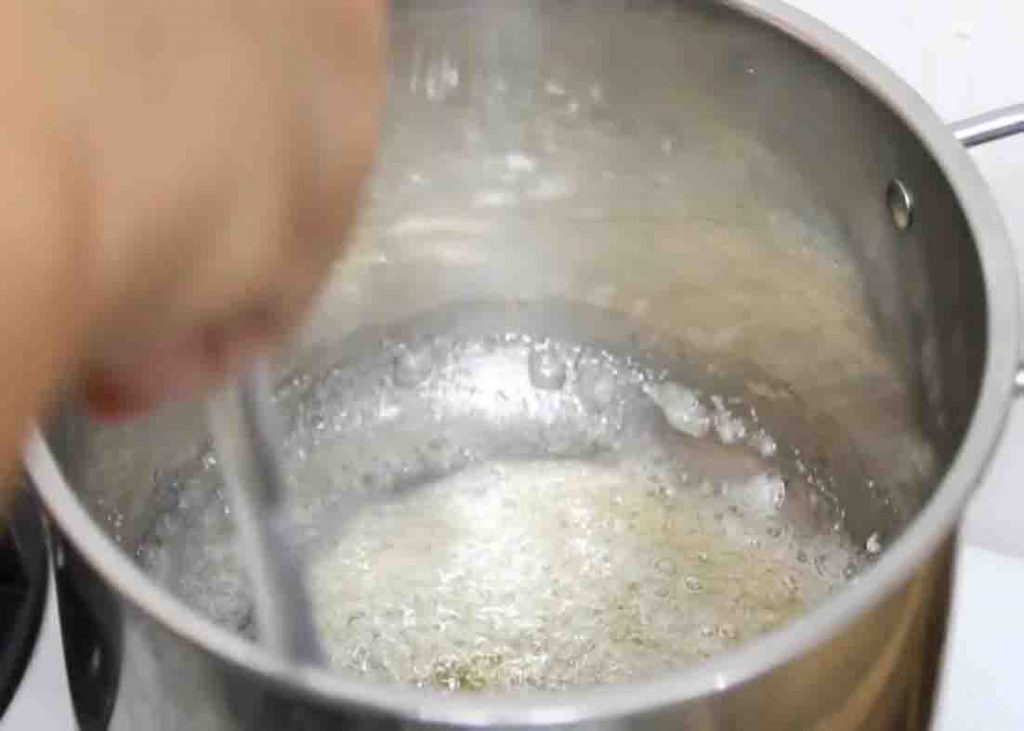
[217,148]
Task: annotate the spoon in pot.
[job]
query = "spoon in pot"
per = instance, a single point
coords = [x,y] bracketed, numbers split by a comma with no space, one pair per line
[246,438]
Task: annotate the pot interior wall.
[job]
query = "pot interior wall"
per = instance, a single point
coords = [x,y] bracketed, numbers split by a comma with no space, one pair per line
[672,177]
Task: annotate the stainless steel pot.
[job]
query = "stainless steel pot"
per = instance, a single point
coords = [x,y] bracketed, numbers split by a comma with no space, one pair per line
[673,163]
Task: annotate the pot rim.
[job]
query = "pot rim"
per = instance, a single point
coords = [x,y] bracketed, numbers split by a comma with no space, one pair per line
[721,672]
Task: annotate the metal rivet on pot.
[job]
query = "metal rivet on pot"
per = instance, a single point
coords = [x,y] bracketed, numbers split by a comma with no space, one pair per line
[901,204]
[1018,381]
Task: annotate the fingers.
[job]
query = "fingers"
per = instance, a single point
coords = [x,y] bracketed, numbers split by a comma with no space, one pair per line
[198,362]
[223,183]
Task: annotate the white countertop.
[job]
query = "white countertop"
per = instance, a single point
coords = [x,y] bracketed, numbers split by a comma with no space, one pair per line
[965,57]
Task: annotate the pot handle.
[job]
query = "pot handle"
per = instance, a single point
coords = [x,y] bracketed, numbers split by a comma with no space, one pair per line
[990,126]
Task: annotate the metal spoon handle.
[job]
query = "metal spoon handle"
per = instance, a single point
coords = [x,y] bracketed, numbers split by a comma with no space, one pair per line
[247,439]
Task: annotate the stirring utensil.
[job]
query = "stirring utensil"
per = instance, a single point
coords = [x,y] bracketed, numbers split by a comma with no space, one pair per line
[246,438]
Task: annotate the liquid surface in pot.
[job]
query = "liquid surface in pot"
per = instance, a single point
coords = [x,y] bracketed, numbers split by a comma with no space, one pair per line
[505,512]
